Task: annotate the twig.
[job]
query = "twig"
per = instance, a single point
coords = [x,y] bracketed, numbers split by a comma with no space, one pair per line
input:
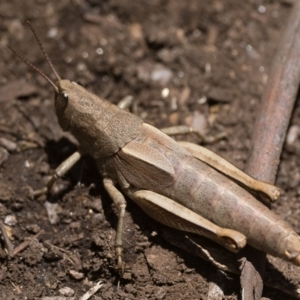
[65,252]
[92,291]
[58,248]
[270,130]
[18,289]
[23,245]
[278,273]
[8,243]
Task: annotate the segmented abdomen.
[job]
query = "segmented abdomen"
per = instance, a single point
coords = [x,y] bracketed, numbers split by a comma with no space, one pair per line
[219,199]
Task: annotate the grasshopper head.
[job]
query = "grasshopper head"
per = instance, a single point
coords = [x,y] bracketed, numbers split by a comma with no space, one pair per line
[75,107]
[61,107]
[66,103]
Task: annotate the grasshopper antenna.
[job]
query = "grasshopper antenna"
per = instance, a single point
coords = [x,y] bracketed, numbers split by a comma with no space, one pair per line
[44,51]
[33,67]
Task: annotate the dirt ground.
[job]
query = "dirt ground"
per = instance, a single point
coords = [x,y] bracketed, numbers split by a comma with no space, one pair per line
[199,63]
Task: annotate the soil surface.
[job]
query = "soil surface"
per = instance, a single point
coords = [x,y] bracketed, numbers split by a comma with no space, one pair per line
[199,63]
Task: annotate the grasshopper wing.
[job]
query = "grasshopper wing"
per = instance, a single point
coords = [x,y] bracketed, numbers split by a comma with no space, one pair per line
[144,166]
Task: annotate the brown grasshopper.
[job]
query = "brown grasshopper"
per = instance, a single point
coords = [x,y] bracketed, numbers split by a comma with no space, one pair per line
[179,184]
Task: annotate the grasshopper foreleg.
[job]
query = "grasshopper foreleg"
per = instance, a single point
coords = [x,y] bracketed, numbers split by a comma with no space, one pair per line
[120,202]
[269,192]
[173,214]
[59,172]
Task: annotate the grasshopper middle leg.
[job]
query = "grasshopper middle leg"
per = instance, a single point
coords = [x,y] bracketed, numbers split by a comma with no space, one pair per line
[120,202]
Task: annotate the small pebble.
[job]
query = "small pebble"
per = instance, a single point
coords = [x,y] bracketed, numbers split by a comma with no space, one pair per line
[199,122]
[53,209]
[161,74]
[33,228]
[98,217]
[292,135]
[76,275]
[75,225]
[66,291]
[8,144]
[157,73]
[10,220]
[174,118]
[165,92]
[127,276]
[96,205]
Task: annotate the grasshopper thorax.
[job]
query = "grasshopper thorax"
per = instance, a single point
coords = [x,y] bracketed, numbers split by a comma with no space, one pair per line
[100,127]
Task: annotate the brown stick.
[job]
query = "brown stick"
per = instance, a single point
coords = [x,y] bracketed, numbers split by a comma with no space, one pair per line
[269,133]
[24,244]
[278,273]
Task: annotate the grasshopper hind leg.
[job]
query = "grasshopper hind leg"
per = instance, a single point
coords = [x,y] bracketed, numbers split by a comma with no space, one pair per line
[173,214]
[269,192]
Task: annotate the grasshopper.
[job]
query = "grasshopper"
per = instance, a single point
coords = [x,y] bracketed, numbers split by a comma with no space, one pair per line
[179,184]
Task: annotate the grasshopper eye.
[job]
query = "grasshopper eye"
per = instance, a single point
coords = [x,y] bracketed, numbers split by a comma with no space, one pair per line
[62,99]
